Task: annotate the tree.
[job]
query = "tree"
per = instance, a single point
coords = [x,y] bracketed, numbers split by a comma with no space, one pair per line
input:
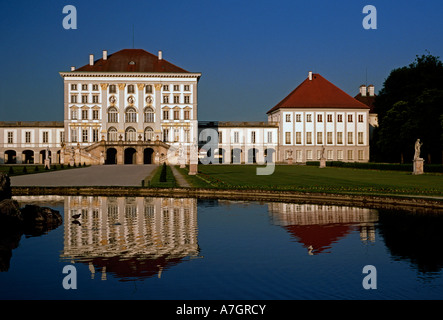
[410,107]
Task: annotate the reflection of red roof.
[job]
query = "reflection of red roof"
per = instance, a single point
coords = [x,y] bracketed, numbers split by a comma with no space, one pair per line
[133,268]
[319,236]
[318,93]
[131,60]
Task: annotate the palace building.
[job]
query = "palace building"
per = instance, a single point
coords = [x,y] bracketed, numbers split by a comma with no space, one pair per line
[134,107]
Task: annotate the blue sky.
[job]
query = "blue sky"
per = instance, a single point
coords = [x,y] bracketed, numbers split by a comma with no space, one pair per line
[251,53]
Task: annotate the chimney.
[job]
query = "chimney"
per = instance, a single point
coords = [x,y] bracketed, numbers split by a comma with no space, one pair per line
[160,55]
[371,90]
[105,54]
[363,90]
[310,75]
[72,68]
[91,59]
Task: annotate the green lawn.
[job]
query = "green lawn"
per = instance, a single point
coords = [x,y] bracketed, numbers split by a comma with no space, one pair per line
[154,180]
[314,179]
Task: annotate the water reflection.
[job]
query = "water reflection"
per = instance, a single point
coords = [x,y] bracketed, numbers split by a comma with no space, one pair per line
[317,227]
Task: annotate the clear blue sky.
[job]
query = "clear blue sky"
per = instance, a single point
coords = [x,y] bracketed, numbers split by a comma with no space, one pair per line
[251,53]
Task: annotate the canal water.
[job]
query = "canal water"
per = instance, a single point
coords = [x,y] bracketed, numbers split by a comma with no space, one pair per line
[190,249]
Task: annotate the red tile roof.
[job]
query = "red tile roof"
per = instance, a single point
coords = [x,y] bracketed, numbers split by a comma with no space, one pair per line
[367,100]
[318,93]
[131,60]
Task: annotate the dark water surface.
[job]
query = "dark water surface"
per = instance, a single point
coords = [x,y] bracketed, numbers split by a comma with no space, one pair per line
[170,248]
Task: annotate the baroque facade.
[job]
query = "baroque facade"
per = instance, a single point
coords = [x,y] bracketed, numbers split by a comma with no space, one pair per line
[134,107]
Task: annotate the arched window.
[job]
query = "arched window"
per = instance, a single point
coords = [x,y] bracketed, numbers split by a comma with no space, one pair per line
[130,134]
[130,115]
[112,115]
[112,134]
[149,115]
[149,134]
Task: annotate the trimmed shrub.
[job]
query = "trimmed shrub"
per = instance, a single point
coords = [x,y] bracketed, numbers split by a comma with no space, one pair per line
[163,173]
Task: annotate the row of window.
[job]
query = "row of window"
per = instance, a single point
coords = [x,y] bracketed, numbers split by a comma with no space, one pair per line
[329,138]
[350,155]
[130,88]
[28,135]
[236,137]
[84,99]
[329,117]
[176,99]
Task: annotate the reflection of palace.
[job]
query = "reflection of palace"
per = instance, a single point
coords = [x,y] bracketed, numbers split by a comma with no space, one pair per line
[130,236]
[318,226]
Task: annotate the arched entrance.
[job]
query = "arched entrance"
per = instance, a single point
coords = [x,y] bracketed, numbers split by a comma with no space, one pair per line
[148,156]
[28,156]
[10,157]
[269,155]
[130,156]
[111,156]
[221,155]
[236,155]
[252,155]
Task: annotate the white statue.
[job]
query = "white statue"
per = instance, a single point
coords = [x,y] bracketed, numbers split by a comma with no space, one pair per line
[418,145]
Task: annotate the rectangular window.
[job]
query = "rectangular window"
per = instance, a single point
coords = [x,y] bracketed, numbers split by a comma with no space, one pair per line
[112,88]
[236,137]
[308,154]
[85,135]
[94,135]
[339,118]
[329,118]
[319,137]
[165,99]
[339,137]
[329,137]
[269,137]
[94,99]
[166,87]
[339,155]
[187,99]
[165,135]
[148,88]
[84,99]
[95,87]
[95,114]
[45,137]
[298,117]
[350,138]
[318,154]
[176,99]
[176,135]
[309,118]
[187,135]
[298,156]
[10,137]
[288,118]
[73,98]
[288,137]
[360,118]
[308,137]
[73,86]
[186,114]
[330,155]
[350,155]
[73,135]
[28,137]
[84,87]
[186,87]
[176,87]
[176,114]
[298,137]
[74,114]
[319,118]
[220,137]
[131,88]
[62,137]
[253,137]
[165,114]
[360,138]
[84,114]
[360,154]
[350,118]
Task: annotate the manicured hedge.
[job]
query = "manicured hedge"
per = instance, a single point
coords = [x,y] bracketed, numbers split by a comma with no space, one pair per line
[378,166]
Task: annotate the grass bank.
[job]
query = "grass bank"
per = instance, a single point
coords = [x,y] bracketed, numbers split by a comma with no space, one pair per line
[326,180]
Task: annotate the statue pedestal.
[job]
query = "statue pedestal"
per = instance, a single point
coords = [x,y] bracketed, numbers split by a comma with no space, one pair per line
[322,163]
[418,166]
[290,160]
[193,169]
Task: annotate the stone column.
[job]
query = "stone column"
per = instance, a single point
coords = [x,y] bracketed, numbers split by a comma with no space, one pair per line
[157,104]
[140,105]
[104,103]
